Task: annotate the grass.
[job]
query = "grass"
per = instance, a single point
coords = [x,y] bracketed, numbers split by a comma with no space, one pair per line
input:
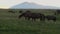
[10,24]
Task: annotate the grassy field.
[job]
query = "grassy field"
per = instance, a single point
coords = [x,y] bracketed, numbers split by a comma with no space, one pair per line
[10,24]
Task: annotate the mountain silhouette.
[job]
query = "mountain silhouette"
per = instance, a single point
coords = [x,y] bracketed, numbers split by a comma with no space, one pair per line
[27,5]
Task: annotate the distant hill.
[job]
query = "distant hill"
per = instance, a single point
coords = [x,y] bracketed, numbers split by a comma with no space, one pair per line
[27,5]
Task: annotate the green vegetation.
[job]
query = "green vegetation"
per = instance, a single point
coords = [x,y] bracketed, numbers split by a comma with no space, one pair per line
[10,24]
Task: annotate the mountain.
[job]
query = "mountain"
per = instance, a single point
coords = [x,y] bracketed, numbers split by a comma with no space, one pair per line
[27,5]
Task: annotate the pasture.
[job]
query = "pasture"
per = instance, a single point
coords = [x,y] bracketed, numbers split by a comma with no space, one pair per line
[10,24]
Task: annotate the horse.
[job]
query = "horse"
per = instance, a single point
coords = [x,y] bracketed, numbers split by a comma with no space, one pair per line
[25,14]
[34,16]
[51,17]
[57,12]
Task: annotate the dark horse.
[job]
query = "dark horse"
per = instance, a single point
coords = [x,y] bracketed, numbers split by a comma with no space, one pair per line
[37,16]
[57,12]
[34,16]
[51,17]
[26,15]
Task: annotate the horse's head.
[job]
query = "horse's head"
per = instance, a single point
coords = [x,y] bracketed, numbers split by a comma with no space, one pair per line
[21,15]
[20,11]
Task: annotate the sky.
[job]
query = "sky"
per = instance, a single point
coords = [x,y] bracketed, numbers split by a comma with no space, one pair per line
[9,3]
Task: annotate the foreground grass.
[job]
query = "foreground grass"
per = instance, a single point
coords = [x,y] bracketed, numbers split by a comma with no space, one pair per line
[10,24]
[14,26]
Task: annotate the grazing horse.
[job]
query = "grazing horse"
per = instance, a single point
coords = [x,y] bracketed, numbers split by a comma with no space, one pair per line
[57,12]
[38,16]
[28,15]
[25,14]
[11,11]
[51,17]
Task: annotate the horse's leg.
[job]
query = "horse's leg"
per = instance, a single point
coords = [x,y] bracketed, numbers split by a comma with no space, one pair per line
[34,19]
[25,18]
[43,18]
[40,19]
[54,20]
[28,18]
